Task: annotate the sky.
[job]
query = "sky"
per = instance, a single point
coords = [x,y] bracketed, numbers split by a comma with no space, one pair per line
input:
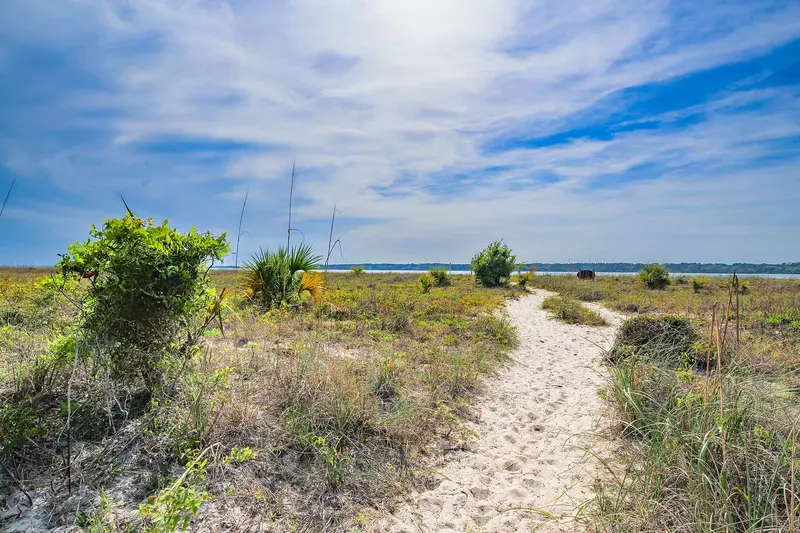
[603,130]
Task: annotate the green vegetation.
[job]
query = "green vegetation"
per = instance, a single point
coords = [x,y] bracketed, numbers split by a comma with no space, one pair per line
[441,277]
[357,270]
[654,276]
[675,268]
[571,312]
[147,292]
[704,447]
[283,277]
[493,265]
[335,393]
[669,339]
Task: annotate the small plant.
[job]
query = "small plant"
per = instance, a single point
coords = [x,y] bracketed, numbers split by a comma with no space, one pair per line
[571,312]
[699,284]
[238,456]
[441,277]
[523,279]
[283,277]
[670,339]
[357,270]
[425,283]
[174,507]
[493,265]
[654,276]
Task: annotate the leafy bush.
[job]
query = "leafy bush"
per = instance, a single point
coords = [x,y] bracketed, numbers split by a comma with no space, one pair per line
[571,312]
[425,282]
[148,283]
[493,265]
[699,284]
[283,277]
[441,277]
[523,279]
[669,339]
[357,270]
[654,276]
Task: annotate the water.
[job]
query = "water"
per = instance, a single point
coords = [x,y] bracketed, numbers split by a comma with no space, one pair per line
[605,274]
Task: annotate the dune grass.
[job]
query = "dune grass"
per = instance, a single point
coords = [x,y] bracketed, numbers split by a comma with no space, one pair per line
[706,430]
[332,405]
[571,312]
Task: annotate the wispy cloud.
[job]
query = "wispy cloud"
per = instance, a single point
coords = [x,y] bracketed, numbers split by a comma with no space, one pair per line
[572,129]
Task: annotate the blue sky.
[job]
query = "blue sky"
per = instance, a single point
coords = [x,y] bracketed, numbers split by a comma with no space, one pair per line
[611,130]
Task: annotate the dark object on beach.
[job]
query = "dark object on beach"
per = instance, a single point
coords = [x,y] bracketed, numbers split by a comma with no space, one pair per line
[586,274]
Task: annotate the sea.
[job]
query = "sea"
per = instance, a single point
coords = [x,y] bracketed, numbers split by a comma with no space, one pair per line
[673,274]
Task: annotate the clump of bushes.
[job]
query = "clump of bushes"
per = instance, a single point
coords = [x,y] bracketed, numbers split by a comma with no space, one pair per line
[654,276]
[440,276]
[284,276]
[357,270]
[668,339]
[148,288]
[493,265]
[425,283]
[699,284]
[571,312]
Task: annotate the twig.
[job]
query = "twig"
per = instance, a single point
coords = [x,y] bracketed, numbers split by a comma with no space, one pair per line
[69,417]
[291,194]
[7,196]
[736,282]
[18,483]
[239,234]
[792,507]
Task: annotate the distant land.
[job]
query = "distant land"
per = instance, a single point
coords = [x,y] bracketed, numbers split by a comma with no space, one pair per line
[677,268]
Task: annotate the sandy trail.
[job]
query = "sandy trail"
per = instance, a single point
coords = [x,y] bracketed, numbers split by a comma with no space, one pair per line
[536,425]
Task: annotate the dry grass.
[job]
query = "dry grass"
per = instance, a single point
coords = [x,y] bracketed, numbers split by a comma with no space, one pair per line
[341,400]
[703,447]
[571,312]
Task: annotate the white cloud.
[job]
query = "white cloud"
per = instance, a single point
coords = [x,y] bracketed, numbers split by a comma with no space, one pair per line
[366,93]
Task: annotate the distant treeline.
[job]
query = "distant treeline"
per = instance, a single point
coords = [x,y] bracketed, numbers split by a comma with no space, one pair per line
[677,268]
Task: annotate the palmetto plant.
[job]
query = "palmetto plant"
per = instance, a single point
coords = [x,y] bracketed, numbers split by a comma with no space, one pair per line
[283,276]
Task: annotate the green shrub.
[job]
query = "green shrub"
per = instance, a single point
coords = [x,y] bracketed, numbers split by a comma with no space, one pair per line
[668,339]
[148,283]
[357,270]
[425,282]
[654,276]
[523,279]
[699,284]
[571,312]
[283,277]
[493,265]
[17,425]
[441,277]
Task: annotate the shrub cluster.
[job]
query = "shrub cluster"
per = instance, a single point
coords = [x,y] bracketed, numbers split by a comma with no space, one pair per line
[148,289]
[654,276]
[664,338]
[493,265]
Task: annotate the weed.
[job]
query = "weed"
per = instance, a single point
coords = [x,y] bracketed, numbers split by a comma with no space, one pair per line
[440,276]
[357,270]
[571,312]
[425,283]
[670,339]
[654,276]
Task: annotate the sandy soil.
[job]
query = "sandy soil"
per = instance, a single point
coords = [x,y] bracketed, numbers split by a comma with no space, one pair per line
[535,431]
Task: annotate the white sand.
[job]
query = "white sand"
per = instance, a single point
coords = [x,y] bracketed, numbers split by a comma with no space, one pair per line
[536,427]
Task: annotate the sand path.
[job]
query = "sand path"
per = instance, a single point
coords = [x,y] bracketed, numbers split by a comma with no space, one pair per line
[536,424]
